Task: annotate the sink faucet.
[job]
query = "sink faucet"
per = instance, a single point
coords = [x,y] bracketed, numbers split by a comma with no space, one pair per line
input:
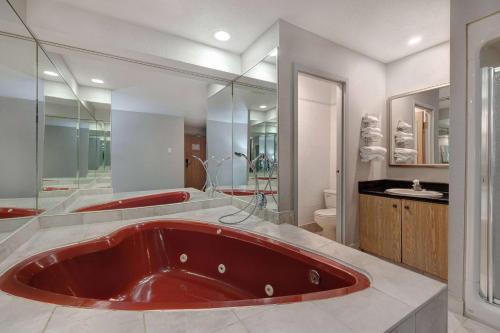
[416,185]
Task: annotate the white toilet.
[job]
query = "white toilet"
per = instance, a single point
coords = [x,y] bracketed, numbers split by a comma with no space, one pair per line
[327,216]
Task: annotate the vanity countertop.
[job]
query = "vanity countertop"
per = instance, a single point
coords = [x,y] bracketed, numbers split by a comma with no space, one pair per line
[378,187]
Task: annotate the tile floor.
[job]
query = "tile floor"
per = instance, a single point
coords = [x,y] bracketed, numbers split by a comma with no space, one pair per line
[459,324]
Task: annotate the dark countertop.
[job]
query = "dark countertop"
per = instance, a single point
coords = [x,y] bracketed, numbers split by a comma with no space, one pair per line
[378,187]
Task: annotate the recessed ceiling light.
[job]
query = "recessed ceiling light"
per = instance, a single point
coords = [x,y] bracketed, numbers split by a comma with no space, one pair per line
[99,81]
[263,107]
[50,73]
[222,36]
[273,53]
[414,40]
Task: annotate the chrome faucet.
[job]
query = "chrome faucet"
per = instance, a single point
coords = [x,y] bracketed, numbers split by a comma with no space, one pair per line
[416,185]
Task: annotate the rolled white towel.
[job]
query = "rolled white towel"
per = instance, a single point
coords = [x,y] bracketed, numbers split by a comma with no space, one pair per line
[370,121]
[404,155]
[404,127]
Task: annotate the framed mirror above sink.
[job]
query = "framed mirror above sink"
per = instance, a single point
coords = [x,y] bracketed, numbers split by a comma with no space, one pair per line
[419,125]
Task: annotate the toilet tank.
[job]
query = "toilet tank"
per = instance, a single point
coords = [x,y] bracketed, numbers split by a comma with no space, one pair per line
[330,198]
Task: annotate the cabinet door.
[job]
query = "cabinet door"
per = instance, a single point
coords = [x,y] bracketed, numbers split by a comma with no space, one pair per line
[380,226]
[425,237]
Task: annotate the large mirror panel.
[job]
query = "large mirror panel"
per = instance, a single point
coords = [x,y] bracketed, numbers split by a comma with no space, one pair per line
[18,113]
[255,134]
[419,128]
[145,130]
[58,140]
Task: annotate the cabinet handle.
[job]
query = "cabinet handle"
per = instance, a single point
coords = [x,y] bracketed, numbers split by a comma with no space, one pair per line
[394,206]
[407,207]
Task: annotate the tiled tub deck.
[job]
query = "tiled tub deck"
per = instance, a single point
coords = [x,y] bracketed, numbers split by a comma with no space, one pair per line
[397,301]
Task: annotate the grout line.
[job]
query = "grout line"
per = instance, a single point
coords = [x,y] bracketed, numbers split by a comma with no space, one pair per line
[48,320]
[144,321]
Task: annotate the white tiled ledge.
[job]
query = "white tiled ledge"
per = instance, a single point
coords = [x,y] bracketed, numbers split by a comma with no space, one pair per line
[398,300]
[60,215]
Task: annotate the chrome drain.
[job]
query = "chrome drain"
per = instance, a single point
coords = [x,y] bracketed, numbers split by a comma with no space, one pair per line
[222,268]
[269,290]
[183,258]
[314,277]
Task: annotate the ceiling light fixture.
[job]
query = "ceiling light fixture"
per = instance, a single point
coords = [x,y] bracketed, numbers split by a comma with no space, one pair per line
[414,40]
[50,73]
[99,81]
[273,53]
[263,107]
[222,36]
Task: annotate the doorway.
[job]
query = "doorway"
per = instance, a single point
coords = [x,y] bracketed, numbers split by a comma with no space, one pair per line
[194,175]
[319,119]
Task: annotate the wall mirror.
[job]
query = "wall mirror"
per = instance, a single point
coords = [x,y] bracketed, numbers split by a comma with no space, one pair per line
[255,132]
[145,129]
[18,112]
[419,128]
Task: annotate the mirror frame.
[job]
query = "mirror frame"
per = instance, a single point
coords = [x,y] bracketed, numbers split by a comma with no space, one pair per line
[389,122]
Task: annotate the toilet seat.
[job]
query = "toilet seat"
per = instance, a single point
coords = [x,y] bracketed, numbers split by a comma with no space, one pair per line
[326,212]
[328,215]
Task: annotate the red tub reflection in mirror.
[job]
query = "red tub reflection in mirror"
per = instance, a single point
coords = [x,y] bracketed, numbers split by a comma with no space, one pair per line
[142,201]
[13,212]
[175,264]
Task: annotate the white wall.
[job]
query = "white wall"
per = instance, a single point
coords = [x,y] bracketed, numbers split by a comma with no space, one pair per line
[462,13]
[147,151]
[425,69]
[317,143]
[366,93]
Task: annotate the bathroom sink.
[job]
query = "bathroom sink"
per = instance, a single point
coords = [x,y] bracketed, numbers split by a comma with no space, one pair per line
[412,193]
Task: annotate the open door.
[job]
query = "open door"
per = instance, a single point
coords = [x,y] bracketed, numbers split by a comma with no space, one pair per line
[194,175]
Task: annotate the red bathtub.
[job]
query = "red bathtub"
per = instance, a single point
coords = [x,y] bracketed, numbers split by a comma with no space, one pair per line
[54,188]
[142,201]
[174,264]
[13,212]
[244,193]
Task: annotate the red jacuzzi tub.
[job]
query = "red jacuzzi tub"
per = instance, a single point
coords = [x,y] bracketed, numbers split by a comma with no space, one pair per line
[174,264]
[142,201]
[245,193]
[13,212]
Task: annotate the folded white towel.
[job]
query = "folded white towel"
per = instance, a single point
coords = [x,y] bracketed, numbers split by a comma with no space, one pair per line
[404,127]
[373,150]
[370,121]
[404,141]
[371,130]
[370,153]
[404,155]
[372,158]
[372,136]
[404,159]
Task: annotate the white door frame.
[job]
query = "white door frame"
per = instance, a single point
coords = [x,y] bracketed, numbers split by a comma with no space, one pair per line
[341,142]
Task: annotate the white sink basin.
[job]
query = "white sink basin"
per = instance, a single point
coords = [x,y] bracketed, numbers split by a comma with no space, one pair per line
[412,193]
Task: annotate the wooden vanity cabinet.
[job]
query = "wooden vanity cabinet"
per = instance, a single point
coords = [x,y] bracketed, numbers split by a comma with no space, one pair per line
[425,237]
[380,226]
[406,231]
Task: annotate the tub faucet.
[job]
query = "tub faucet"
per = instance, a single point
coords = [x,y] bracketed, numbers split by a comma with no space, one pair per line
[416,185]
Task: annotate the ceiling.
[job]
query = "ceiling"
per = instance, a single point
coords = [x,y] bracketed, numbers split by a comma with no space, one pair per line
[380,29]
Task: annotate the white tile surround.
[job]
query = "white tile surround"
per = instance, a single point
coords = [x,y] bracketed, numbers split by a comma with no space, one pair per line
[398,300]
